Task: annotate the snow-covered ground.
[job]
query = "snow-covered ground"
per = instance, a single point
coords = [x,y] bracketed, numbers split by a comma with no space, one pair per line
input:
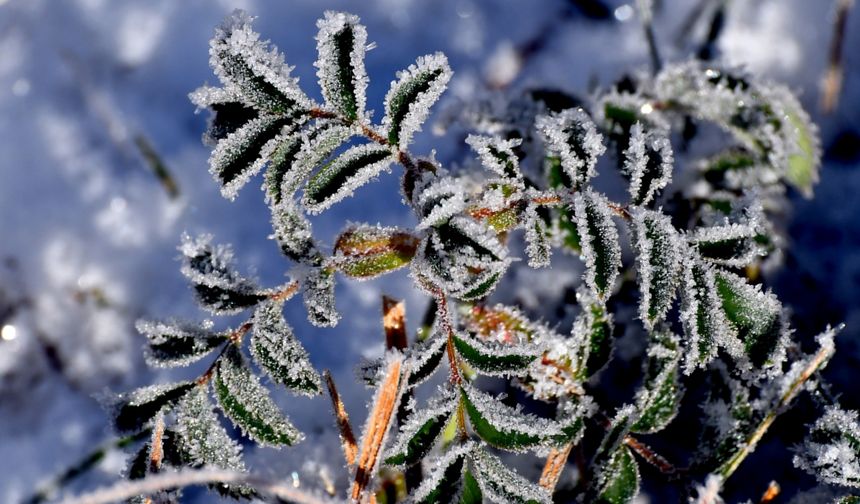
[88,234]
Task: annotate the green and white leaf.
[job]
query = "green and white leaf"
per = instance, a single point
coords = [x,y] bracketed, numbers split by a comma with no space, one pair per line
[438,200]
[648,162]
[601,250]
[618,480]
[133,410]
[495,358]
[659,398]
[365,251]
[172,344]
[573,138]
[498,156]
[247,403]
[591,336]
[449,480]
[341,44]
[658,257]
[831,451]
[500,484]
[278,352]
[731,245]
[538,247]
[421,430]
[425,358]
[340,177]
[410,97]
[318,297]
[201,437]
[293,233]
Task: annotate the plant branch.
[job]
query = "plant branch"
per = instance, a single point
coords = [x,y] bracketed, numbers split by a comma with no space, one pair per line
[189,477]
[555,463]
[650,456]
[347,438]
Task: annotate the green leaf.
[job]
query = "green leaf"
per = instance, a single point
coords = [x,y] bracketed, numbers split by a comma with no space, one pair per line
[278,352]
[508,428]
[757,316]
[537,237]
[448,482]
[601,250]
[592,337]
[498,155]
[471,492]
[734,245]
[496,359]
[177,344]
[293,233]
[619,479]
[702,316]
[366,251]
[501,484]
[408,102]
[135,409]
[247,403]
[660,397]
[572,137]
[659,260]
[648,163]
[425,357]
[340,177]
[341,43]
[420,431]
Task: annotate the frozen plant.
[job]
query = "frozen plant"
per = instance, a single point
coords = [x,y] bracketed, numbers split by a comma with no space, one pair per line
[678,261]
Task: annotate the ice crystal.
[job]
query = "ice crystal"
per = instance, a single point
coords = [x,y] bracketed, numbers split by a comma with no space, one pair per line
[497,155]
[501,484]
[439,200]
[177,343]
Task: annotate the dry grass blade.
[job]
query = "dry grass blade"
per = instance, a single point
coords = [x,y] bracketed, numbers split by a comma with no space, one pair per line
[394,323]
[377,427]
[771,493]
[156,451]
[554,466]
[831,85]
[347,438]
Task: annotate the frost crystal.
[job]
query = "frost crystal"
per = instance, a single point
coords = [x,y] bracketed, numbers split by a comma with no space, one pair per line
[201,435]
[416,89]
[250,69]
[279,353]
[341,43]
[601,250]
[648,162]
[832,451]
[572,136]
[659,262]
[341,177]
[498,155]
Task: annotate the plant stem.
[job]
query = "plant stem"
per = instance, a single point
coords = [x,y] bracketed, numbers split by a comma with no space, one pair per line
[815,363]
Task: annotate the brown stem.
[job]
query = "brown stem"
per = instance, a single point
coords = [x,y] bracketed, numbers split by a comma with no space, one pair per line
[347,438]
[445,320]
[286,293]
[832,83]
[156,447]
[555,463]
[650,456]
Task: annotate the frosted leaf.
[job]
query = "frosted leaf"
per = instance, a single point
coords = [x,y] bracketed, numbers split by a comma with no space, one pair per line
[617,112]
[439,200]
[618,429]
[728,416]
[601,250]
[201,436]
[408,101]
[367,251]
[339,178]
[319,298]
[618,480]
[648,163]
[218,287]
[293,233]
[281,162]
[135,409]
[445,481]
[464,257]
[702,317]
[498,155]
[537,238]
[509,428]
[249,68]
[728,245]
[572,136]
[317,144]
[420,431]
[228,112]
[658,257]
[248,405]
[659,398]
[500,484]
[831,451]
[424,359]
[496,359]
[590,341]
[172,344]
[502,324]
[341,43]
[757,318]
[244,152]
[803,145]
[278,352]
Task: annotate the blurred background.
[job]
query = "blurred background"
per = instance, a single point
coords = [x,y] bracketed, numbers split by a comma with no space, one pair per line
[102,169]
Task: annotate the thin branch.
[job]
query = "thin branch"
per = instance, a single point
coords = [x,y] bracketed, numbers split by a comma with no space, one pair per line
[156,450]
[831,86]
[377,427]
[555,463]
[347,438]
[445,319]
[189,477]
[815,363]
[650,456]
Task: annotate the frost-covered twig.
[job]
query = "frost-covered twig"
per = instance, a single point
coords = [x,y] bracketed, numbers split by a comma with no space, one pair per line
[554,466]
[189,477]
[347,438]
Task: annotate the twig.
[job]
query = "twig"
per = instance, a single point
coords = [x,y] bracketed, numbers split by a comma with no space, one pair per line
[650,456]
[394,323]
[445,319]
[347,438]
[377,426]
[188,477]
[555,463]
[816,362]
[156,450]
[831,86]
